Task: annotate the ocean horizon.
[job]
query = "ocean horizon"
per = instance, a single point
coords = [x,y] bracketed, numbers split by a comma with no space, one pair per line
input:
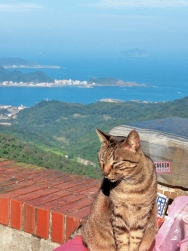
[166,80]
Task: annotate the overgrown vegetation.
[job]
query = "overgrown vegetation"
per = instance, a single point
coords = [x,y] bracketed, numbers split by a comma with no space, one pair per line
[15,149]
[53,129]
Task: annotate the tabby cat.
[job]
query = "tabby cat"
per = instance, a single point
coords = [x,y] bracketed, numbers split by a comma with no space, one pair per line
[123,215]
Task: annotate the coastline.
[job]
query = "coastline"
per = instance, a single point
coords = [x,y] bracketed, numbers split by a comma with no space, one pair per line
[29,95]
[75,83]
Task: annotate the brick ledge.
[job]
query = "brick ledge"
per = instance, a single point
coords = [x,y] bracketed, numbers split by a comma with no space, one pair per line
[46,203]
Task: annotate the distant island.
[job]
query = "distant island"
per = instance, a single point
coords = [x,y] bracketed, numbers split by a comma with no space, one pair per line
[113,82]
[22,63]
[40,79]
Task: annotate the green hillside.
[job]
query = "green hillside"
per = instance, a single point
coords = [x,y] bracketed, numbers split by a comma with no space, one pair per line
[69,129]
[15,149]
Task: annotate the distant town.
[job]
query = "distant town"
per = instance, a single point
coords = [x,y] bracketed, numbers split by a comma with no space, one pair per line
[70,82]
[55,83]
[8,112]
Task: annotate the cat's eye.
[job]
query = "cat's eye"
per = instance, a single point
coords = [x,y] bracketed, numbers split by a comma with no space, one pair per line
[122,168]
[124,164]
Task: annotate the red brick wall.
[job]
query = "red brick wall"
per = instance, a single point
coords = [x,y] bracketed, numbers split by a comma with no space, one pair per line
[42,202]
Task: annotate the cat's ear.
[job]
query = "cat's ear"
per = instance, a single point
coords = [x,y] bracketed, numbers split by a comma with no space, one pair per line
[103,137]
[133,140]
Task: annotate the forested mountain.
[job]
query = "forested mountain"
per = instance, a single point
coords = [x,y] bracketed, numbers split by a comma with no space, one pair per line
[17,76]
[69,129]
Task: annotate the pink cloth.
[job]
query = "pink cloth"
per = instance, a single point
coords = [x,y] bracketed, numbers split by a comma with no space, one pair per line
[77,245]
[73,245]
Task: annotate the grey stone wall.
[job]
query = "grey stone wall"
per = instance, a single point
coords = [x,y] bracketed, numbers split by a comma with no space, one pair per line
[163,147]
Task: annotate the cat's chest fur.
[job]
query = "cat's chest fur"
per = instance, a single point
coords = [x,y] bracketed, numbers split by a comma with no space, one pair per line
[124,204]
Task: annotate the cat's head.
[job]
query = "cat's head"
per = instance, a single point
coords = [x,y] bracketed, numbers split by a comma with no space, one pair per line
[118,158]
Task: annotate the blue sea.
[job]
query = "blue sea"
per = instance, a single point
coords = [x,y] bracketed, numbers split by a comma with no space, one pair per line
[166,78]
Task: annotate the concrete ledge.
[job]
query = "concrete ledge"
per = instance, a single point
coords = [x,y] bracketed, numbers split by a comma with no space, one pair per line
[12,239]
[44,203]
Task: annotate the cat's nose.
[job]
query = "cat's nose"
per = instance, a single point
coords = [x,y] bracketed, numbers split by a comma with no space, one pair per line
[106,173]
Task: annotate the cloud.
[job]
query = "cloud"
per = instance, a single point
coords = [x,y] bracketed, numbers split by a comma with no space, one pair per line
[19,7]
[117,4]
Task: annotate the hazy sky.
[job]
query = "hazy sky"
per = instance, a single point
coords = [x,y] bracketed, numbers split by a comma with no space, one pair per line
[92,27]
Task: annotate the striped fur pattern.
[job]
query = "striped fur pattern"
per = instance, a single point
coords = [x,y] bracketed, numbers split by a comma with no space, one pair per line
[123,215]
